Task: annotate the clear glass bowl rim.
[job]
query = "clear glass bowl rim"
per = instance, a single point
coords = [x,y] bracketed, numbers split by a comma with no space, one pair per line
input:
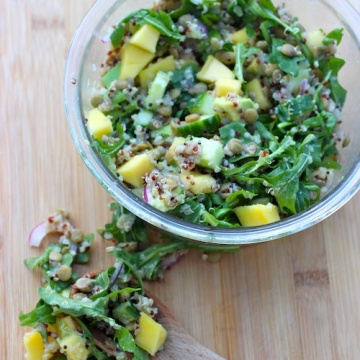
[341,194]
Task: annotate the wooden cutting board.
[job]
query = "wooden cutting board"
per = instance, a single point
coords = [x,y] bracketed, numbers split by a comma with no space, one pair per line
[294,298]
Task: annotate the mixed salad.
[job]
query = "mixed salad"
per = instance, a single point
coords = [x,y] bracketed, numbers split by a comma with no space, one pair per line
[220,112]
[104,314]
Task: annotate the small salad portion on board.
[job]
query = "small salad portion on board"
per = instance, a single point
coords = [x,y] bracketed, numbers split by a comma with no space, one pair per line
[104,314]
[223,113]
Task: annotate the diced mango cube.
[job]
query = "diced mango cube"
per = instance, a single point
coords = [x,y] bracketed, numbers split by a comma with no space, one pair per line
[213,70]
[240,36]
[98,124]
[146,38]
[133,170]
[52,329]
[147,75]
[133,60]
[224,86]
[254,86]
[170,154]
[74,347]
[34,345]
[151,336]
[257,214]
[198,183]
[314,41]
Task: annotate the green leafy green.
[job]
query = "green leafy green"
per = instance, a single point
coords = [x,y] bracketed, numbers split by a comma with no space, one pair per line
[41,314]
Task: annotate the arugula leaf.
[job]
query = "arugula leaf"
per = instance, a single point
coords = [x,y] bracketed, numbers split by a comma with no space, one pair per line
[99,355]
[334,36]
[289,65]
[241,54]
[41,314]
[125,340]
[32,263]
[301,106]
[75,308]
[117,35]
[159,20]
[286,184]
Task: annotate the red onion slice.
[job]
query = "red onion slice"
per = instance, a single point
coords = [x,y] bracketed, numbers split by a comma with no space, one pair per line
[302,87]
[37,234]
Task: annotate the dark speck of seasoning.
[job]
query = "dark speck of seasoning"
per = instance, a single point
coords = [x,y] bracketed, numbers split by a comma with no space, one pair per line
[73,81]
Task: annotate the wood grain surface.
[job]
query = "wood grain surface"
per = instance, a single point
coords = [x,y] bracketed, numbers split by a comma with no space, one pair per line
[294,298]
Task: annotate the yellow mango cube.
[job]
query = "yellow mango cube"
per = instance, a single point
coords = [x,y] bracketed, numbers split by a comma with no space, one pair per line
[151,336]
[314,41]
[34,345]
[240,36]
[170,154]
[74,347]
[198,183]
[257,214]
[147,75]
[146,38]
[213,70]
[133,170]
[255,87]
[225,86]
[133,60]
[98,124]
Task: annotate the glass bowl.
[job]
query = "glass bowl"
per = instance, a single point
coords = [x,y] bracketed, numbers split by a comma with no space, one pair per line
[87,51]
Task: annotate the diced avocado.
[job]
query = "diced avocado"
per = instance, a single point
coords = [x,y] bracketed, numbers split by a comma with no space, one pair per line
[212,153]
[257,214]
[146,38]
[255,87]
[34,345]
[214,70]
[256,67]
[203,105]
[147,75]
[170,154]
[240,36]
[151,335]
[314,41]
[205,124]
[133,170]
[293,109]
[198,183]
[143,118]
[232,106]
[157,89]
[112,75]
[74,346]
[98,124]
[225,86]
[133,60]
[125,312]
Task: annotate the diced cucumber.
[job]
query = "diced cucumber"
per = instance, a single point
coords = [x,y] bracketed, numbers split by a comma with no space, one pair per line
[157,90]
[203,105]
[111,75]
[212,153]
[295,108]
[125,312]
[205,124]
[164,131]
[143,118]
[118,98]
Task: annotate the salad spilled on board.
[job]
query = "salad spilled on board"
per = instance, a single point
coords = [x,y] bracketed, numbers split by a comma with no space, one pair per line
[222,113]
[103,315]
